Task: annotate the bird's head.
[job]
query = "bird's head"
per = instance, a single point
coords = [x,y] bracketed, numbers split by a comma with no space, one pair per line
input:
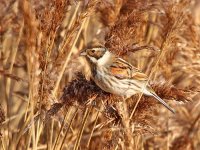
[97,55]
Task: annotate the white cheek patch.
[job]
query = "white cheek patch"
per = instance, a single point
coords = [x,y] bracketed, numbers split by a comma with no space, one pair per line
[92,59]
[106,57]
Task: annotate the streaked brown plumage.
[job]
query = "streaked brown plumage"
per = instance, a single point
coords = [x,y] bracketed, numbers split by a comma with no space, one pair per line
[115,75]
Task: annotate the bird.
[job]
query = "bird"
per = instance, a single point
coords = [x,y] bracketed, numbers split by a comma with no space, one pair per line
[117,76]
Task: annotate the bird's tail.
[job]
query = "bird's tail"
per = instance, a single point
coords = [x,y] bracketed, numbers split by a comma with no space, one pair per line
[163,102]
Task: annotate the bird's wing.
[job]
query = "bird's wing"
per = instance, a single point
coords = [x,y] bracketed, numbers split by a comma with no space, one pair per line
[124,70]
[139,76]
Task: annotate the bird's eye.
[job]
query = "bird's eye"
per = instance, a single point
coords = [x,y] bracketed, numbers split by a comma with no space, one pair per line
[92,51]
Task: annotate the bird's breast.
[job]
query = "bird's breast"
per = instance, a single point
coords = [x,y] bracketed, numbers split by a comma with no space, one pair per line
[114,85]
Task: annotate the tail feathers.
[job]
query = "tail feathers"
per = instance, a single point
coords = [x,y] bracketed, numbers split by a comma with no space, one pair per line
[163,102]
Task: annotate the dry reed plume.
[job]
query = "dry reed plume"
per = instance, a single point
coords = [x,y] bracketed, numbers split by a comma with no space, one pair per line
[47,99]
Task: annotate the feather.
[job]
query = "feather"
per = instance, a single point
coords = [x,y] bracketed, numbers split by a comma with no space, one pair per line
[124,70]
[139,76]
[152,93]
[163,102]
[119,72]
[117,76]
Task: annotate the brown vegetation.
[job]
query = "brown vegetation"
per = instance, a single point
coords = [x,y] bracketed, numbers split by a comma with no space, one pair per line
[47,99]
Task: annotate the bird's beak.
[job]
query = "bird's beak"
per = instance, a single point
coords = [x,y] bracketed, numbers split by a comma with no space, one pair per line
[83,53]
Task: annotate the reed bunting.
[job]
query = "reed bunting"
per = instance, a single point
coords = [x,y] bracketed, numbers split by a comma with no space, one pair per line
[115,75]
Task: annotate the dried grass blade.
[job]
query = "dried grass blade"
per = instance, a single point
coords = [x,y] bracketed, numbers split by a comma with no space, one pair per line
[87,111]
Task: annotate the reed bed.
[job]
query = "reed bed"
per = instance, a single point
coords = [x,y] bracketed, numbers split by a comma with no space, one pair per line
[48,100]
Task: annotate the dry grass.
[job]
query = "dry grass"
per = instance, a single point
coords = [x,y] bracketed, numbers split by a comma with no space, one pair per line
[47,101]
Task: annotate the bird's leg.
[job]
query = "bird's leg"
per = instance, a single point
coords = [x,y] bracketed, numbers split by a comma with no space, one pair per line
[124,98]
